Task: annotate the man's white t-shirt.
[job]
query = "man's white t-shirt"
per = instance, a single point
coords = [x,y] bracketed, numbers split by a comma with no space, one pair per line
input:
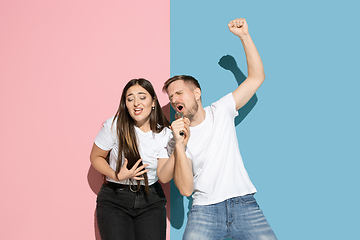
[151,147]
[218,168]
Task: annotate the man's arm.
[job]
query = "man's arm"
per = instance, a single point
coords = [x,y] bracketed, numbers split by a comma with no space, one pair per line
[256,74]
[183,175]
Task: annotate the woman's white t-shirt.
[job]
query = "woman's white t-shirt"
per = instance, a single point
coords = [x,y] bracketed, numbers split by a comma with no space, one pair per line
[151,147]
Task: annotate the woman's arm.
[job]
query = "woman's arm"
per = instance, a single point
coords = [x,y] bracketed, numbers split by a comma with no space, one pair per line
[165,169]
[98,161]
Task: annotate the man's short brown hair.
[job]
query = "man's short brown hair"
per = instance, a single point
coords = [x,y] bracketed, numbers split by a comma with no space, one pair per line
[185,78]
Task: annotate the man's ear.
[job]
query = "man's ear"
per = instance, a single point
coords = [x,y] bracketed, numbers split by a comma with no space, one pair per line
[197,94]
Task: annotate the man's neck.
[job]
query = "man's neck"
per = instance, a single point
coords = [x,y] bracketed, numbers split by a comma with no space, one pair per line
[199,117]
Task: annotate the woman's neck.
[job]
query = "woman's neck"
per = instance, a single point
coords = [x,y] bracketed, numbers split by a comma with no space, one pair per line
[145,127]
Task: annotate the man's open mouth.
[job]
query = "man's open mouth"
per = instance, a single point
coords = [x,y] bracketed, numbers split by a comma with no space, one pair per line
[179,108]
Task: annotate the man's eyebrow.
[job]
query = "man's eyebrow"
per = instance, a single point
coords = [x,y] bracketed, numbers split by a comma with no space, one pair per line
[176,92]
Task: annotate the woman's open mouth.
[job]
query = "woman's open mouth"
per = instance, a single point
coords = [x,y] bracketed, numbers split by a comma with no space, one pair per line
[137,111]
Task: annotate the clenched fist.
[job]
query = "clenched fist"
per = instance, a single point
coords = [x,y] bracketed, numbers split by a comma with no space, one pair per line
[238,27]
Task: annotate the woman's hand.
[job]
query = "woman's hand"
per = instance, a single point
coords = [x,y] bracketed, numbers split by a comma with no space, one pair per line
[135,172]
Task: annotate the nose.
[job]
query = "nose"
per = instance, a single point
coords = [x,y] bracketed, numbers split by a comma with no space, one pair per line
[174,99]
[136,101]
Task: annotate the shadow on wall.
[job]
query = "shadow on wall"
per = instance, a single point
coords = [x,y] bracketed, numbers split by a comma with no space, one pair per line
[95,180]
[228,63]
[177,207]
[177,200]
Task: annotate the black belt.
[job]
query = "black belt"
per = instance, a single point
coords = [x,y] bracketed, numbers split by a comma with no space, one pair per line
[133,188]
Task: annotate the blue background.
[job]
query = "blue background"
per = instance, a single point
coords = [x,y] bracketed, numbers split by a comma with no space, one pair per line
[299,142]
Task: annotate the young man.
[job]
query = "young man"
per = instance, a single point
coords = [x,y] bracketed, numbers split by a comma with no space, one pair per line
[207,158]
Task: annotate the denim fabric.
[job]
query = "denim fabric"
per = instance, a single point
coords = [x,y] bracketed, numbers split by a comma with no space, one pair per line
[238,218]
[123,214]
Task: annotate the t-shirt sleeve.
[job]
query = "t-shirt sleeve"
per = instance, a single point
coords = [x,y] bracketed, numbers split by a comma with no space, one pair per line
[170,145]
[106,138]
[227,105]
[164,151]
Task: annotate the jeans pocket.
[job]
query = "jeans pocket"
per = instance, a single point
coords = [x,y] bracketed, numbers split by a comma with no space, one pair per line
[194,208]
[156,189]
[247,199]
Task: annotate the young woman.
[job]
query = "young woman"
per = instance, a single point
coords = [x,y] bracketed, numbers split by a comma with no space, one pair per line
[131,202]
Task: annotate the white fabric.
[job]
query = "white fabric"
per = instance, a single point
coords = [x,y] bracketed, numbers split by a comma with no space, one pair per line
[151,147]
[218,168]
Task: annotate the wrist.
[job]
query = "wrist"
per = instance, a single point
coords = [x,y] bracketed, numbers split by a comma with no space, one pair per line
[179,147]
[244,37]
[116,178]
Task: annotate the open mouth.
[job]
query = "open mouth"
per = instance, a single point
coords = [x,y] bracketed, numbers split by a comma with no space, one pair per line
[137,111]
[179,108]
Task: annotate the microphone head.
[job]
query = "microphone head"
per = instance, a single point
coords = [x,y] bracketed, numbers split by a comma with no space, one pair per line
[178,115]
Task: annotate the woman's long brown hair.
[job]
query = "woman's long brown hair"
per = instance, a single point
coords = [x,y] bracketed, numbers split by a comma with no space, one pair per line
[128,143]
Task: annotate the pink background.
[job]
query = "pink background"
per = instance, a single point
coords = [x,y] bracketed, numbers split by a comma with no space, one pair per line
[63,65]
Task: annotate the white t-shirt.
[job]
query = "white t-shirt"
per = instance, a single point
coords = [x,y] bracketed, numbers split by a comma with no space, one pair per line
[218,168]
[151,147]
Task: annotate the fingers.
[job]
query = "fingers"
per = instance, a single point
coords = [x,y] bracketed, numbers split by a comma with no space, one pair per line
[142,167]
[187,121]
[187,125]
[239,27]
[238,23]
[136,164]
[187,134]
[137,171]
[179,125]
[187,129]
[138,178]
[125,163]
[141,173]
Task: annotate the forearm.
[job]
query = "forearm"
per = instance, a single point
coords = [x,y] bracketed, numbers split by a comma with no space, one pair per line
[254,63]
[256,75]
[165,171]
[183,176]
[101,165]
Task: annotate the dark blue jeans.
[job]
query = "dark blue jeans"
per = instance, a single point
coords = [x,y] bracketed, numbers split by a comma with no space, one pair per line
[123,214]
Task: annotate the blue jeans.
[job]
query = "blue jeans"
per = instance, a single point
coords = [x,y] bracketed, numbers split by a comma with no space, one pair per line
[123,214]
[237,218]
